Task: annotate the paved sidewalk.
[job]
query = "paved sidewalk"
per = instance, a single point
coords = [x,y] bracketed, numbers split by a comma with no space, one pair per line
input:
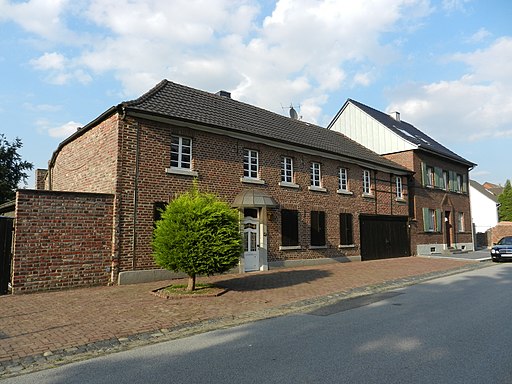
[41,330]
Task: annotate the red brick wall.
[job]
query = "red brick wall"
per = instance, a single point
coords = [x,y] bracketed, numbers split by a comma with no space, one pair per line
[89,162]
[504,228]
[219,163]
[434,198]
[62,240]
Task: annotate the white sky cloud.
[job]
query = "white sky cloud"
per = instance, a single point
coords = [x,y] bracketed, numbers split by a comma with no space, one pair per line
[303,46]
[64,130]
[479,104]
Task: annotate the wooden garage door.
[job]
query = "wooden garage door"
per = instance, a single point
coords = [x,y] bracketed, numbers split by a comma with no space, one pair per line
[383,237]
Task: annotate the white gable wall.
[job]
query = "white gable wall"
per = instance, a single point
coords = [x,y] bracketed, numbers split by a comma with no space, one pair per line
[483,210]
[364,129]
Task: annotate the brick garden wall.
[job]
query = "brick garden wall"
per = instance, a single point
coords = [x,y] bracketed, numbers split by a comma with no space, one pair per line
[504,228]
[62,240]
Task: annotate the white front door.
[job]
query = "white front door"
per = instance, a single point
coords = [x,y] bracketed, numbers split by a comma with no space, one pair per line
[251,244]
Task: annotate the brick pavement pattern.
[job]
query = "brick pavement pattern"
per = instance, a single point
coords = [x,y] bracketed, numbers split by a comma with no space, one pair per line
[42,323]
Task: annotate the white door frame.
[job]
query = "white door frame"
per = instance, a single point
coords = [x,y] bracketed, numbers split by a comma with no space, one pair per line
[251,228]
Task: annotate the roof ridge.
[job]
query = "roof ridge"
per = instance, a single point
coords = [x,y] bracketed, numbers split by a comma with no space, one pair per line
[145,96]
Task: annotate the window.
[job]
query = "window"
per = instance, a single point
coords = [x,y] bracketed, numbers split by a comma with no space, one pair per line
[445,180]
[343,180]
[158,209]
[432,220]
[367,187]
[181,152]
[317,228]
[399,189]
[430,177]
[460,221]
[316,176]
[287,169]
[250,163]
[346,229]
[459,183]
[289,227]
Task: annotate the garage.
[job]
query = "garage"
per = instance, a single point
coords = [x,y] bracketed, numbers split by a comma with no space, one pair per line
[383,237]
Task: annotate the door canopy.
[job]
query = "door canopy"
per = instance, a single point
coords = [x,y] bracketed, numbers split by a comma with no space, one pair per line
[253,198]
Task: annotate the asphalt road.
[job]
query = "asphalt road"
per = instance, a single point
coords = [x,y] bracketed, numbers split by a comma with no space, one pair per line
[450,330]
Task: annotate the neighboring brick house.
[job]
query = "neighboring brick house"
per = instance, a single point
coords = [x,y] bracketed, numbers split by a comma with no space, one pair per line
[438,191]
[304,192]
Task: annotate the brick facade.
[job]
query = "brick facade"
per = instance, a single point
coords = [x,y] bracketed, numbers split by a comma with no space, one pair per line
[62,240]
[448,202]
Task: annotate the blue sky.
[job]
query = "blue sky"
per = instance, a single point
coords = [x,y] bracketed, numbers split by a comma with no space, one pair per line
[445,65]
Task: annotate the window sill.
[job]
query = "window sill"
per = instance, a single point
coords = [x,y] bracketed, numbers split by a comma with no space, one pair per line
[318,247]
[182,171]
[368,195]
[251,180]
[285,184]
[348,246]
[344,192]
[400,200]
[289,247]
[317,189]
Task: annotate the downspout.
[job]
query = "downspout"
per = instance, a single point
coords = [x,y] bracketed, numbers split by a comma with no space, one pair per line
[135,197]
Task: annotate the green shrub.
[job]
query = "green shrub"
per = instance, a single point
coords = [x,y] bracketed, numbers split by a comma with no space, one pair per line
[199,235]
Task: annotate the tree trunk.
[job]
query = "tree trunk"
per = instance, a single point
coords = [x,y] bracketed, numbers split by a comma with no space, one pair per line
[191,283]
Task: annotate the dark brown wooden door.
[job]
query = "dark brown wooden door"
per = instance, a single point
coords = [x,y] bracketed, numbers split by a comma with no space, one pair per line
[383,237]
[6,226]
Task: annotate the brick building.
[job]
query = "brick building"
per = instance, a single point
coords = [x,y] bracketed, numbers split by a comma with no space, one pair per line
[439,204]
[305,193]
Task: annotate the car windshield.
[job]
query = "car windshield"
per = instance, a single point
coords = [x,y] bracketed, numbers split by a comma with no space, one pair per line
[505,241]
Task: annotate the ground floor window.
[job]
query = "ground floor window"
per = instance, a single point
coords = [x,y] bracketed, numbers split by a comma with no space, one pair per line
[317,228]
[346,237]
[289,227]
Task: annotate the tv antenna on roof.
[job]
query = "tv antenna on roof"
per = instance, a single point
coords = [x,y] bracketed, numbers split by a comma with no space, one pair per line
[293,113]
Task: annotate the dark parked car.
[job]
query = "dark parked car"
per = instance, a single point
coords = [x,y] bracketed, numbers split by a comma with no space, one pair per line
[502,249]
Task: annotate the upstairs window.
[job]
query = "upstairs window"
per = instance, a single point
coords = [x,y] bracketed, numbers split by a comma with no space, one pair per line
[181,152]
[250,164]
[316,177]
[367,186]
[399,188]
[287,169]
[343,179]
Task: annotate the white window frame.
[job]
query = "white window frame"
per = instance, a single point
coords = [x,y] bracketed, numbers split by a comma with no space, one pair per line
[432,220]
[367,183]
[181,162]
[460,221]
[316,175]
[251,161]
[460,181]
[343,179]
[431,176]
[181,166]
[287,169]
[399,188]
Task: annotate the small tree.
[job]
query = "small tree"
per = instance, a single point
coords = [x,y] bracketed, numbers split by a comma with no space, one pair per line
[12,168]
[199,235]
[505,200]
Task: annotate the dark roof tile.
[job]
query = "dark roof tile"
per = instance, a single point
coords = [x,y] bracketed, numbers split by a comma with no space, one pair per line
[168,99]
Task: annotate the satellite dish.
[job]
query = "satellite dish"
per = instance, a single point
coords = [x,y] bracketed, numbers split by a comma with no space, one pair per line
[293,113]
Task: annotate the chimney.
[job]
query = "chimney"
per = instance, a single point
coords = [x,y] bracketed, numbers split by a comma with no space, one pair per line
[224,94]
[395,115]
